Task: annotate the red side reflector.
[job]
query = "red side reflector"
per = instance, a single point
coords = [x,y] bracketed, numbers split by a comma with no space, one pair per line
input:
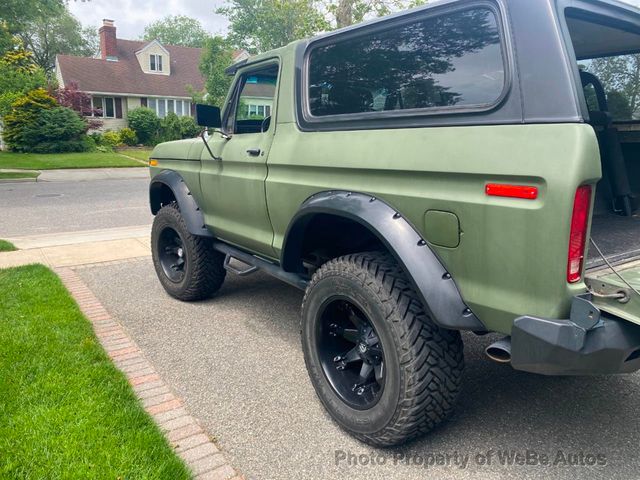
[513,191]
[578,236]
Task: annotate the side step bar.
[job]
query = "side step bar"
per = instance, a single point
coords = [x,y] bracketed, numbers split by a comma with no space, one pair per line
[257,263]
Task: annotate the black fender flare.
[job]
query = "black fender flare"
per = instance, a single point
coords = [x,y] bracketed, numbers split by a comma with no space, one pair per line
[188,207]
[431,280]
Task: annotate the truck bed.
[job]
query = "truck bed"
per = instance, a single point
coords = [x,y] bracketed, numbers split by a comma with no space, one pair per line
[618,237]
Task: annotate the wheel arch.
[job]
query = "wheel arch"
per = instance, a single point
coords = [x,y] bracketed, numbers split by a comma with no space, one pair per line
[431,280]
[169,186]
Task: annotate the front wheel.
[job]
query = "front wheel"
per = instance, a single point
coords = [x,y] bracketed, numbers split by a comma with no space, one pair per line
[187,266]
[380,366]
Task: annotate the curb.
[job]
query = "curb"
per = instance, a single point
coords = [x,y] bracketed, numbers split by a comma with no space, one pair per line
[19,180]
[188,439]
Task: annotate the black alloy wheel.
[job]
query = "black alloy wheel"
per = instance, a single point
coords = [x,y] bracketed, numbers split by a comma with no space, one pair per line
[172,254]
[351,354]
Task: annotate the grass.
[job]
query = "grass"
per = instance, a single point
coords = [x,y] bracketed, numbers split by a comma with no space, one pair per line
[6,246]
[14,175]
[66,411]
[48,161]
[139,153]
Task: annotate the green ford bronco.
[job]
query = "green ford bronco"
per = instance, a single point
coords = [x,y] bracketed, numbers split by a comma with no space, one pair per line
[456,167]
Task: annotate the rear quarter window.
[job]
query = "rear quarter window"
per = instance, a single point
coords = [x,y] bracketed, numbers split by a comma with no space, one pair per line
[441,62]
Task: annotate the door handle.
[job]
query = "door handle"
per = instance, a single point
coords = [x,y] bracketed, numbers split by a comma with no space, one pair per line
[254,152]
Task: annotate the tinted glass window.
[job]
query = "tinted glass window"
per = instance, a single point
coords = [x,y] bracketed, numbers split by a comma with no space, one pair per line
[443,61]
[255,101]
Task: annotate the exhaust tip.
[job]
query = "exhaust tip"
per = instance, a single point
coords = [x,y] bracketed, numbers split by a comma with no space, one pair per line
[500,351]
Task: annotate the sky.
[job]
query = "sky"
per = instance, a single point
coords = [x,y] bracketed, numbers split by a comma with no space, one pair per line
[131,16]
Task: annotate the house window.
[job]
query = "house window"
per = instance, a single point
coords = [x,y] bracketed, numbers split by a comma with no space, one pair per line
[104,107]
[164,106]
[155,63]
[262,111]
[109,108]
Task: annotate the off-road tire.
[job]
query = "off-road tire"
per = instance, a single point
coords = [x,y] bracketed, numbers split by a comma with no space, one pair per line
[424,364]
[204,272]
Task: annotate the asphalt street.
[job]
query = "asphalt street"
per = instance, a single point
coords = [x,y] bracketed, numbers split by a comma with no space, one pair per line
[42,207]
[237,362]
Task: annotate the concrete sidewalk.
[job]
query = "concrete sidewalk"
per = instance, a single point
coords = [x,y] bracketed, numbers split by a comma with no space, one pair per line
[86,236]
[87,174]
[79,248]
[80,174]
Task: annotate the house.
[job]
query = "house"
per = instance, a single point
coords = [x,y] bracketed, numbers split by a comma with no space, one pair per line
[128,74]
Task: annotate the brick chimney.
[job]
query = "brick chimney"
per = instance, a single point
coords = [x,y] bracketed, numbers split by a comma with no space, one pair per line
[108,40]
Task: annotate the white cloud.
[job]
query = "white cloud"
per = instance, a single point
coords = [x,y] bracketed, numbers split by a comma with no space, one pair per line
[131,16]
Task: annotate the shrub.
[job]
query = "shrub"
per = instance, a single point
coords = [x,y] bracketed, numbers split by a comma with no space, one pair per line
[97,138]
[56,130]
[188,127]
[170,128]
[111,139]
[25,112]
[128,137]
[145,123]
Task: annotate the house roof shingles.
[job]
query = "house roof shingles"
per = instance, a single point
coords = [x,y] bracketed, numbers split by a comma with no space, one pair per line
[126,77]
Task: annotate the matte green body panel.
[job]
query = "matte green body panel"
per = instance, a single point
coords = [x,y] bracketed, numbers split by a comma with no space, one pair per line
[511,255]
[184,157]
[235,205]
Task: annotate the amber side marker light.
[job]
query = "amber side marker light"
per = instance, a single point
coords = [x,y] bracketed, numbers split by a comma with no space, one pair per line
[511,191]
[153,163]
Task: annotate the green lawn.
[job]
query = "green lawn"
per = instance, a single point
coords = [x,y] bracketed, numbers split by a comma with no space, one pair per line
[6,246]
[139,153]
[65,410]
[14,175]
[47,161]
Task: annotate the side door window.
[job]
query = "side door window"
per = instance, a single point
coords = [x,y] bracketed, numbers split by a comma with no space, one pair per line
[253,106]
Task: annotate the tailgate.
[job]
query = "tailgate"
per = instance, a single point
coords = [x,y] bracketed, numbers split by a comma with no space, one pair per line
[604,283]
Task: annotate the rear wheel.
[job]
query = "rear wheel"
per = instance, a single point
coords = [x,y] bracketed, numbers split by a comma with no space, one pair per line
[186,264]
[381,367]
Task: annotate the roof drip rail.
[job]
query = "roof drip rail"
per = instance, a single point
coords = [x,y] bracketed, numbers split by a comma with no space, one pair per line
[231,71]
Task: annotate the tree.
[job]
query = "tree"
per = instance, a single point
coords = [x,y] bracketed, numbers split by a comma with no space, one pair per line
[177,30]
[79,102]
[619,106]
[622,75]
[217,56]
[18,75]
[63,33]
[18,14]
[260,25]
[342,13]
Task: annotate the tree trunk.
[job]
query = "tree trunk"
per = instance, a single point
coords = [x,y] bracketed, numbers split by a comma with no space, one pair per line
[344,13]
